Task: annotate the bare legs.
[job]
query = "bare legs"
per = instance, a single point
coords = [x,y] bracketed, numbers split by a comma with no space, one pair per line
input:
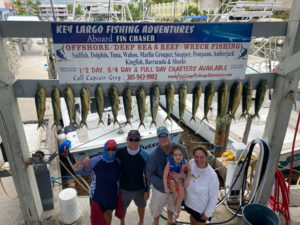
[141,212]
[108,216]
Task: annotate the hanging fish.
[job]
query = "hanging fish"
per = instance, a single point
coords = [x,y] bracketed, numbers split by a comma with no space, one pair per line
[222,98]
[127,102]
[196,100]
[70,101]
[154,102]
[55,99]
[208,97]
[182,101]
[99,97]
[85,106]
[114,102]
[40,104]
[235,97]
[246,98]
[141,102]
[261,90]
[169,93]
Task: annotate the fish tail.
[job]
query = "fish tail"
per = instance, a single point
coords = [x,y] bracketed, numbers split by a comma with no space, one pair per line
[167,118]
[54,125]
[142,124]
[205,118]
[243,116]
[41,124]
[127,122]
[181,120]
[100,121]
[116,121]
[153,122]
[193,118]
[83,123]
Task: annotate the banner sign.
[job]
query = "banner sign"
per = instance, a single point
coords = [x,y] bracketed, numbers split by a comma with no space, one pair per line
[150,52]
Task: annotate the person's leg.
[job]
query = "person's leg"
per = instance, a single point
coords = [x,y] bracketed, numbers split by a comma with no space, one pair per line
[108,216]
[122,221]
[138,198]
[141,212]
[192,220]
[170,216]
[179,198]
[157,203]
[174,190]
[126,200]
[195,222]
[170,208]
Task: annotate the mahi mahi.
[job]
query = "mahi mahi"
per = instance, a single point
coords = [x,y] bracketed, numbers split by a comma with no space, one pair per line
[222,98]
[127,102]
[260,96]
[169,93]
[70,101]
[208,97]
[40,104]
[196,100]
[99,97]
[182,101]
[246,98]
[55,99]
[85,98]
[235,97]
[114,102]
[141,102]
[154,102]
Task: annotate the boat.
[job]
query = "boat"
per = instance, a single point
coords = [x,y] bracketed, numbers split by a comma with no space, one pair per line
[90,141]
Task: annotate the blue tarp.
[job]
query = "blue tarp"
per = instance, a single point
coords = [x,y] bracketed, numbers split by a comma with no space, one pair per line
[195,17]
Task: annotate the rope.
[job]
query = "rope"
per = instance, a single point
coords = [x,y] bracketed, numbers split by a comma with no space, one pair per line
[292,154]
[2,185]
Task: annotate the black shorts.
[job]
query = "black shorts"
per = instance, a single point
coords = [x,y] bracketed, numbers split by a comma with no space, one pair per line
[194,214]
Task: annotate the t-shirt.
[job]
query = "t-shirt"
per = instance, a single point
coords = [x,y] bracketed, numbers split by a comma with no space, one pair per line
[202,192]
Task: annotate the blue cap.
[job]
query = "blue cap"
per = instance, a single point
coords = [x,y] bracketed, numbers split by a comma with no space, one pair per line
[162,132]
[66,143]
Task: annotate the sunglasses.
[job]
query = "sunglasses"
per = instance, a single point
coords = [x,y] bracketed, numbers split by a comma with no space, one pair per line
[133,139]
[162,135]
[111,149]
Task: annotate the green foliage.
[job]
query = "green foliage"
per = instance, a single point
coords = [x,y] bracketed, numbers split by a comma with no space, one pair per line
[135,10]
[282,15]
[161,1]
[78,11]
[26,8]
[70,8]
[191,11]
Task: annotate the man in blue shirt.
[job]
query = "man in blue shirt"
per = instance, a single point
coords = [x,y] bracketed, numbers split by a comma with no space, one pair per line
[132,182]
[155,169]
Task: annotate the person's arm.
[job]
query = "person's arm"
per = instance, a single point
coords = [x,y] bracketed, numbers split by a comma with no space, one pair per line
[145,156]
[82,168]
[212,196]
[165,178]
[87,166]
[151,169]
[187,180]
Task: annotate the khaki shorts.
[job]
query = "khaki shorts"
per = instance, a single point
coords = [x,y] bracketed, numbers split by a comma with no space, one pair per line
[159,200]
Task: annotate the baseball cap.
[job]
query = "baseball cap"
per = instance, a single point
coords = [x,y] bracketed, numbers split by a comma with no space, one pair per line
[111,143]
[134,133]
[162,132]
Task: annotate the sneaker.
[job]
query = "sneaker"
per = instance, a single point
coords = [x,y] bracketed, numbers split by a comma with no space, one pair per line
[167,223]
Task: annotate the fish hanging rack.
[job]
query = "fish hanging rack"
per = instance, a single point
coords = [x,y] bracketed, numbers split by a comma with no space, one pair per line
[27,88]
